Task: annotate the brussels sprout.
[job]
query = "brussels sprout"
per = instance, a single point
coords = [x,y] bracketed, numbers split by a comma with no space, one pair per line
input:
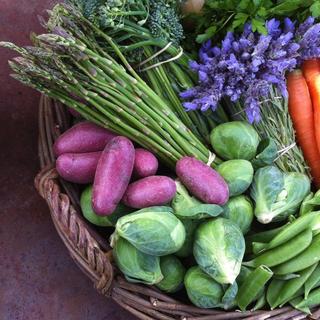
[102,221]
[136,265]
[239,209]
[219,248]
[190,226]
[228,300]
[238,175]
[188,207]
[278,195]
[154,230]
[173,274]
[202,290]
[235,140]
[266,154]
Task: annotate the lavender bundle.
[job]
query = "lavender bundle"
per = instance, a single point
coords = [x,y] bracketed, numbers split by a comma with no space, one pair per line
[246,67]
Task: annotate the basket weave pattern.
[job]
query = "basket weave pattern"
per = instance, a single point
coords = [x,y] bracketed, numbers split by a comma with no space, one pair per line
[92,253]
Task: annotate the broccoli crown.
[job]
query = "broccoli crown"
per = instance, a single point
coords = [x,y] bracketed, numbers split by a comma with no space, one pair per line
[164,22]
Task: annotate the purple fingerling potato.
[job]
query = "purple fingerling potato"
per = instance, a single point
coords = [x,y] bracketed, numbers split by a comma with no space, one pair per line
[202,181]
[150,191]
[145,163]
[113,175]
[82,137]
[78,167]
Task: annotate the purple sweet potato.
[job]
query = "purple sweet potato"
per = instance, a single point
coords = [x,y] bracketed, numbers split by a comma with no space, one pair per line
[113,175]
[150,191]
[78,167]
[202,181]
[145,163]
[81,138]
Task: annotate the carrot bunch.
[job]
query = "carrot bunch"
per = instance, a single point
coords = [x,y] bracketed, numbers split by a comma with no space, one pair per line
[304,108]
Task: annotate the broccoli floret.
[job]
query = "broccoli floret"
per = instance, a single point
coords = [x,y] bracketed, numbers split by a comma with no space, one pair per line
[164,22]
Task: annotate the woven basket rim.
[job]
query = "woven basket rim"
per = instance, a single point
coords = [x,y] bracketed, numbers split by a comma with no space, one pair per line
[92,253]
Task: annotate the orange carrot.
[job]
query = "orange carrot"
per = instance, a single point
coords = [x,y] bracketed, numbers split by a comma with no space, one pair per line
[310,69]
[301,112]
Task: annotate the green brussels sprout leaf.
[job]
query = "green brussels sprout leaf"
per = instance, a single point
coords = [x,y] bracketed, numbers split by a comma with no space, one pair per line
[239,210]
[266,154]
[202,290]
[238,174]
[219,249]
[155,230]
[228,300]
[190,227]
[235,140]
[188,207]
[278,195]
[136,265]
[173,274]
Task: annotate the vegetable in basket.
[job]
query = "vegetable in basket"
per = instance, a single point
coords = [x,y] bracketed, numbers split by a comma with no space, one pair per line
[276,194]
[150,191]
[155,230]
[238,174]
[145,163]
[235,140]
[190,227]
[219,249]
[239,210]
[83,137]
[173,273]
[203,291]
[187,207]
[202,181]
[102,221]
[136,265]
[112,175]
[78,167]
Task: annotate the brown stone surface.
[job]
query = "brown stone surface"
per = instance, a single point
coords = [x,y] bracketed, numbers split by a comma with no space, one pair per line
[38,279]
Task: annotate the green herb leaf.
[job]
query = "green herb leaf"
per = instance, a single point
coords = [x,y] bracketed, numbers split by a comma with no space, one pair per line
[315,9]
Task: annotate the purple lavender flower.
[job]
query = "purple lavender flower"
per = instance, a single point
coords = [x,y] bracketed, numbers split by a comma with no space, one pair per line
[247,66]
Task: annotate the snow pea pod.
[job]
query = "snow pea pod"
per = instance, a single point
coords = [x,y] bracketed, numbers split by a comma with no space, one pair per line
[252,285]
[287,233]
[264,236]
[273,291]
[302,261]
[291,287]
[261,302]
[283,252]
[312,301]
[312,281]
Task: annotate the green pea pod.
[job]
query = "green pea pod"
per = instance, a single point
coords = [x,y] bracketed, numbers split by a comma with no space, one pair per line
[291,287]
[261,302]
[264,236]
[287,276]
[295,302]
[273,291]
[312,301]
[283,252]
[306,206]
[244,272]
[312,281]
[252,285]
[302,261]
[287,233]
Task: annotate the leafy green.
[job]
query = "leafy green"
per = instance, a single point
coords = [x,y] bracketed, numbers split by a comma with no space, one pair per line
[221,16]
[188,207]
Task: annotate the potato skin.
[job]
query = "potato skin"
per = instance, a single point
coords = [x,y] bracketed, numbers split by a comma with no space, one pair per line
[78,167]
[145,163]
[113,175]
[150,191]
[81,138]
[202,181]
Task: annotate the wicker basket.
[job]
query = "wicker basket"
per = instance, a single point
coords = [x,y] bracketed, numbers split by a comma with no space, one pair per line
[92,253]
